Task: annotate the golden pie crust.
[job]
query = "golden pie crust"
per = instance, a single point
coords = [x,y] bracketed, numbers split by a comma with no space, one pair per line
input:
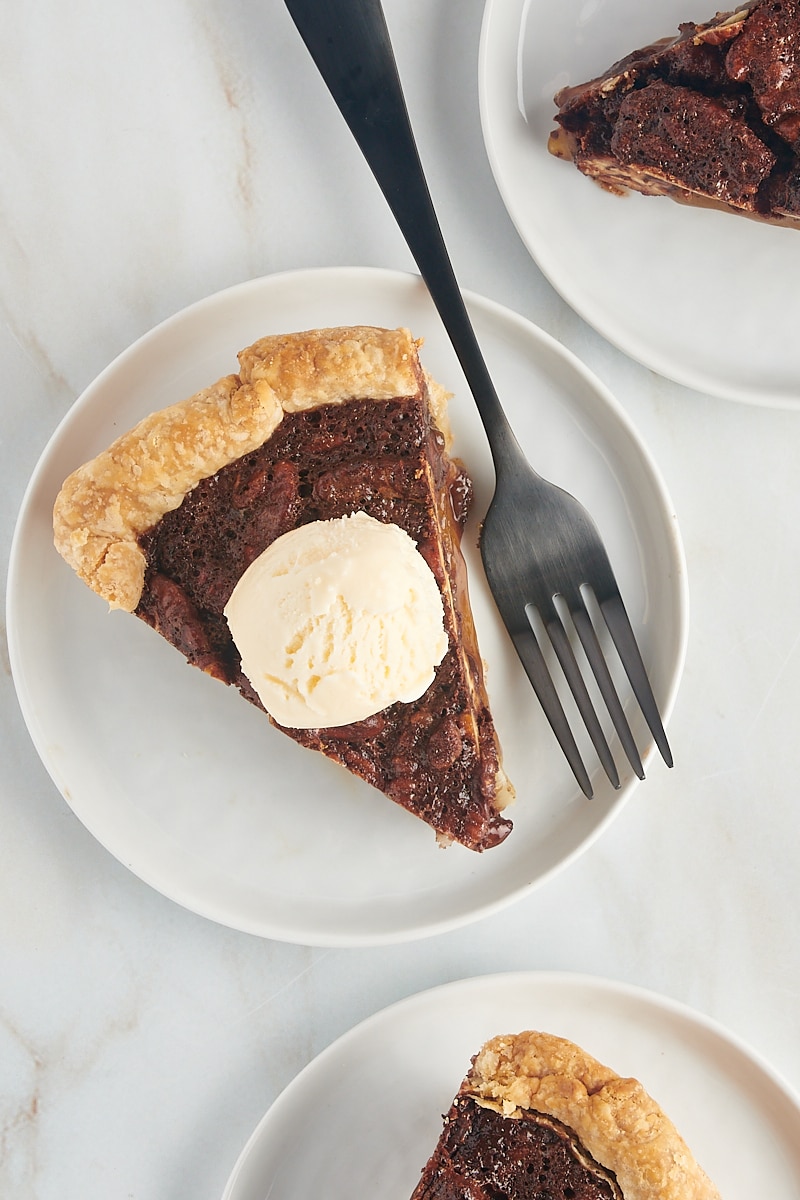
[613,1118]
[105,505]
[106,508]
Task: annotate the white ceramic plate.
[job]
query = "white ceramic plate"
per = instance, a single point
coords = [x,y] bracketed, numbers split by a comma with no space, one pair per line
[363,1118]
[190,787]
[706,299]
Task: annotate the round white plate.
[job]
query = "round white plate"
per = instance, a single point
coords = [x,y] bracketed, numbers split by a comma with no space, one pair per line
[704,298]
[363,1118]
[191,787]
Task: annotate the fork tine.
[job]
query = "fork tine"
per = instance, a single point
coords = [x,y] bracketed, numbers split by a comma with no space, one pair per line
[619,625]
[594,654]
[535,666]
[573,676]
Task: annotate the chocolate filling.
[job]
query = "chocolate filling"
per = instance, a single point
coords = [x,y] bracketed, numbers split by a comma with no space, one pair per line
[712,114]
[436,756]
[483,1155]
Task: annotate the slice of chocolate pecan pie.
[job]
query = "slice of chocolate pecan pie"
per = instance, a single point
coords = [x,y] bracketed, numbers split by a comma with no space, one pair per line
[538,1119]
[316,427]
[708,117]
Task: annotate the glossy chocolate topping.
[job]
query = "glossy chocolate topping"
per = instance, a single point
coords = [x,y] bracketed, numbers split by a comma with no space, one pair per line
[712,114]
[483,1155]
[436,756]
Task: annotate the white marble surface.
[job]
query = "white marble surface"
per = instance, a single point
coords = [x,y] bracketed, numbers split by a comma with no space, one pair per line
[153,154]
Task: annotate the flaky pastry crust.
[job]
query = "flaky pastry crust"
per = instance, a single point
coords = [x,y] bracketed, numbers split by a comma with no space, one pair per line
[614,1118]
[105,505]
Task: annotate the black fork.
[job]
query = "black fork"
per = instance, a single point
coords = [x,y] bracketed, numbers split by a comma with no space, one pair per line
[537,542]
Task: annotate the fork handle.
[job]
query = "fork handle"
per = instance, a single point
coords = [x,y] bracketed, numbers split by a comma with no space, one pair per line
[349,42]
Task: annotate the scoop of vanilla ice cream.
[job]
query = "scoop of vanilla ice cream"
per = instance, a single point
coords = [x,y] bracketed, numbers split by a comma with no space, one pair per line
[336,620]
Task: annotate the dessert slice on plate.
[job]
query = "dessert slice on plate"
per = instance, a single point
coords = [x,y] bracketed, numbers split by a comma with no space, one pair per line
[538,1119]
[708,117]
[294,530]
